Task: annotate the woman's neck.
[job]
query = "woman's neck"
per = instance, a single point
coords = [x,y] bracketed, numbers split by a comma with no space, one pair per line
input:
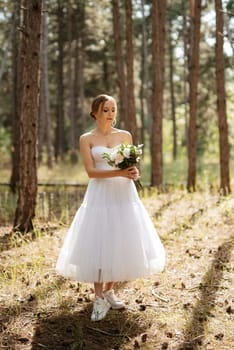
[104,130]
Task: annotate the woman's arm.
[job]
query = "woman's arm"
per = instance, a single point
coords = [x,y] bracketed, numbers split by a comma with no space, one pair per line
[93,172]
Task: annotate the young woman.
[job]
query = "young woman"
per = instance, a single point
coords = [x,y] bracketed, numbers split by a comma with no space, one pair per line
[112,237]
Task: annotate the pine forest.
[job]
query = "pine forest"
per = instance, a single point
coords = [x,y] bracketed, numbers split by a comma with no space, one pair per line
[169,66]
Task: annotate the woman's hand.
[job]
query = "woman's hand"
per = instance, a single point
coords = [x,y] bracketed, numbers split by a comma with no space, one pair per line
[131,173]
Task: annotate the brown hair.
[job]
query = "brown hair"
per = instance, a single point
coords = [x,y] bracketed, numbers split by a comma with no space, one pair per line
[97,102]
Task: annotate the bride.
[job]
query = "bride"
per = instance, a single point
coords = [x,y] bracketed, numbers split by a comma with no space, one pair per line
[112,237]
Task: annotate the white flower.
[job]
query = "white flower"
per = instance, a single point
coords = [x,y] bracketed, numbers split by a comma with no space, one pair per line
[113,155]
[139,151]
[126,152]
[118,159]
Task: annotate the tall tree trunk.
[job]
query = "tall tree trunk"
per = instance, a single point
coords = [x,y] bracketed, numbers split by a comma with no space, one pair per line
[41,119]
[59,135]
[48,134]
[30,54]
[185,74]
[16,96]
[195,14]
[120,63]
[79,71]
[71,97]
[142,104]
[106,73]
[172,93]
[78,84]
[144,92]
[158,39]
[44,133]
[131,119]
[221,102]
[81,93]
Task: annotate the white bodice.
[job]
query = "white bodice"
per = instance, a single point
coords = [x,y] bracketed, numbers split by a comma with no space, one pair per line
[97,153]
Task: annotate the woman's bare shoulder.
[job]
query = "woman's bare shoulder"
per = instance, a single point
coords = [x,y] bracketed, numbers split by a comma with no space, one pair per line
[123,132]
[126,135]
[86,137]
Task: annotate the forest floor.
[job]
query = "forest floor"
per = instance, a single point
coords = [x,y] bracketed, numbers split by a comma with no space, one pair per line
[189,306]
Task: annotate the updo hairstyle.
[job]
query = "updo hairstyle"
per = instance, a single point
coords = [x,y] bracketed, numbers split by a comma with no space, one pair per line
[97,102]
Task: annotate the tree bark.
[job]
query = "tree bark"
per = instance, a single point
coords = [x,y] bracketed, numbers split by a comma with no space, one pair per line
[185,75]
[172,93]
[131,118]
[106,71]
[30,54]
[71,94]
[59,134]
[158,39]
[14,180]
[119,64]
[221,102]
[79,81]
[144,92]
[47,95]
[44,133]
[41,119]
[195,14]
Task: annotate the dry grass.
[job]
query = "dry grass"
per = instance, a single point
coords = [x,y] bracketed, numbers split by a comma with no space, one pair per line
[189,306]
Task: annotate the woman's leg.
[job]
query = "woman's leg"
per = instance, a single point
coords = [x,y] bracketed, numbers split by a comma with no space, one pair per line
[98,288]
[109,286]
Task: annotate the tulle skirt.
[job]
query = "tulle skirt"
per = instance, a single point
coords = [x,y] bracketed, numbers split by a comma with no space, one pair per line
[112,237]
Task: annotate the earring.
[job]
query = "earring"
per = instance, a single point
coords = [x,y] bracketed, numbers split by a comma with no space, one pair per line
[113,123]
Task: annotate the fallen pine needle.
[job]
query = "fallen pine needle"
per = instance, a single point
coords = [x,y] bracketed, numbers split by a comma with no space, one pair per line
[158,297]
[107,333]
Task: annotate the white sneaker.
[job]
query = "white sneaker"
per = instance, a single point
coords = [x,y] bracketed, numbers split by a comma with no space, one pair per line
[113,300]
[100,309]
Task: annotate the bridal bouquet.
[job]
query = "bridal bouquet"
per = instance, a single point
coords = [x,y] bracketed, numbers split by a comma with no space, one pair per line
[124,156]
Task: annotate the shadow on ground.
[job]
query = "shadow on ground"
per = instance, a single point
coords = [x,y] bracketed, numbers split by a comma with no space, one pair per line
[15,239]
[75,331]
[18,318]
[6,241]
[208,288]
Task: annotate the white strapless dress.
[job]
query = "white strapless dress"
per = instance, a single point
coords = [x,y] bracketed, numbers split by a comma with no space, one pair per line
[112,237]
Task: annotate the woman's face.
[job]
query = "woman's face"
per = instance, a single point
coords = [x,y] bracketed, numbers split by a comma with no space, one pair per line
[107,112]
